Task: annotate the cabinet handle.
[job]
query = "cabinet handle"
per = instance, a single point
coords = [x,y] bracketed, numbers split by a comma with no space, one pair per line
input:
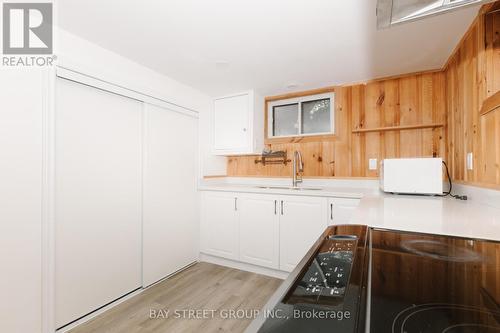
[275,207]
[281,207]
[331,211]
[235,203]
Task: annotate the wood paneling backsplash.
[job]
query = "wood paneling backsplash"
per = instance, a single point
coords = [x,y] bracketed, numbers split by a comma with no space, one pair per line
[410,100]
[451,97]
[472,76]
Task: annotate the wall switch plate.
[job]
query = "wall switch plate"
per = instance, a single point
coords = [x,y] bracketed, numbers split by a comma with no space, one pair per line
[372,164]
[470,161]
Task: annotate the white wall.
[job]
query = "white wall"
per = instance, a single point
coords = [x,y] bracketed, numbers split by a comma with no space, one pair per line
[20,200]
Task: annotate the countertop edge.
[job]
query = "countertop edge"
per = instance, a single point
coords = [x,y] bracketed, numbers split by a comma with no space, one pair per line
[304,193]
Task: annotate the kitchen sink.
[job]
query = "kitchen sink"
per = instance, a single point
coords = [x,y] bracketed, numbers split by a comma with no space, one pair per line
[290,188]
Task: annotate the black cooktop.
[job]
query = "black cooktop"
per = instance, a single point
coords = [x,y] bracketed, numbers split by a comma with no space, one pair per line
[371,280]
[426,284]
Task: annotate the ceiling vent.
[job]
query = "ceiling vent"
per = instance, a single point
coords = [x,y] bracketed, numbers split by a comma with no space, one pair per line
[392,12]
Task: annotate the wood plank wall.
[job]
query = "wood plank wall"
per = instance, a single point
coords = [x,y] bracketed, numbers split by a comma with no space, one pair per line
[473,75]
[452,96]
[408,100]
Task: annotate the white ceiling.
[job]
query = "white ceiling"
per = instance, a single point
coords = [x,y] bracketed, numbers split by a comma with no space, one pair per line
[225,46]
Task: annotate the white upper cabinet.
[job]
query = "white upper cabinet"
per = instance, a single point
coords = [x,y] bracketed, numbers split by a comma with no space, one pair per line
[238,122]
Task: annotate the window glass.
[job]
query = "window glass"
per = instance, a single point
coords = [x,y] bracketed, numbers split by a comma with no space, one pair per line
[316,116]
[285,120]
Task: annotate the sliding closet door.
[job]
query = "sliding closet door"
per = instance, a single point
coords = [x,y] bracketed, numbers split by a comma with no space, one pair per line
[170,231]
[97,198]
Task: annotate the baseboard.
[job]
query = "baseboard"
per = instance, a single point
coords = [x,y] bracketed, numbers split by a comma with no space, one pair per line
[120,300]
[170,275]
[96,313]
[243,266]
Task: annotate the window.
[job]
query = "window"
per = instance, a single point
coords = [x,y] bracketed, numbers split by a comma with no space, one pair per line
[302,116]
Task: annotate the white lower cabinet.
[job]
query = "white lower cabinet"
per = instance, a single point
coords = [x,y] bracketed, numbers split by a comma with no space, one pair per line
[259,230]
[340,210]
[219,225]
[302,220]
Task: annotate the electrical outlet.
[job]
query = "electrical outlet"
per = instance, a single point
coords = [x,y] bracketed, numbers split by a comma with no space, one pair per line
[372,164]
[470,161]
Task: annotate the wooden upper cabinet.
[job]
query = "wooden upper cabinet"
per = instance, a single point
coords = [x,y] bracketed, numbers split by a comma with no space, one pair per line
[238,124]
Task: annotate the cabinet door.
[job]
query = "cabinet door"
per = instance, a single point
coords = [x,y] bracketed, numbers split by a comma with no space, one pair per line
[340,210]
[170,204]
[219,225]
[97,198]
[259,230]
[302,220]
[231,124]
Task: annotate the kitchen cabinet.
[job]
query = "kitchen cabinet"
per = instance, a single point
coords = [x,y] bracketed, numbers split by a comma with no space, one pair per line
[170,201]
[238,122]
[259,230]
[340,210]
[219,225]
[98,177]
[302,219]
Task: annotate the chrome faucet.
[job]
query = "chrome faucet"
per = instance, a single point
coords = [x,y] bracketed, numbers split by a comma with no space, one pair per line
[297,169]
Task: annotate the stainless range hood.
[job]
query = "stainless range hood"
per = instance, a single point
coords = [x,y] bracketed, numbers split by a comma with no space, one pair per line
[392,12]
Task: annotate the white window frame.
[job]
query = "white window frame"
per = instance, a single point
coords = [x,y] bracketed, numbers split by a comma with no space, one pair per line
[299,101]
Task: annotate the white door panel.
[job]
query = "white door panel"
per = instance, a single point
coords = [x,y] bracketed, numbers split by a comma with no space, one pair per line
[302,221]
[341,210]
[259,230]
[97,198]
[170,218]
[219,225]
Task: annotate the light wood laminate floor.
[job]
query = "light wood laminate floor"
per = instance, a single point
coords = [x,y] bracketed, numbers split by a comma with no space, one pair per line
[202,286]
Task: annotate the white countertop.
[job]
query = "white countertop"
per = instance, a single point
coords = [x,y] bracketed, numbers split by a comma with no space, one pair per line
[436,215]
[444,216]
